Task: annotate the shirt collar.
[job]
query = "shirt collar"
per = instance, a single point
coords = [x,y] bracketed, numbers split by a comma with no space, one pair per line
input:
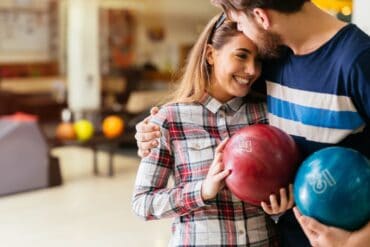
[214,105]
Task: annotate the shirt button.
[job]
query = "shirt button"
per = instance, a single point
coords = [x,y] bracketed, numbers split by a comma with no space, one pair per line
[240,232]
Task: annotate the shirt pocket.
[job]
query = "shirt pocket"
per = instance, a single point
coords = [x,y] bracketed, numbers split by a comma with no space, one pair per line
[201,150]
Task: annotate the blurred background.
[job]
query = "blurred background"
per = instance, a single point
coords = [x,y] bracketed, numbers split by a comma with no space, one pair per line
[64,61]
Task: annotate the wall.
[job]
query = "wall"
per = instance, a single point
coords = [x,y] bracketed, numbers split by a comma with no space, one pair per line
[181,21]
[24,31]
[361,16]
[178,31]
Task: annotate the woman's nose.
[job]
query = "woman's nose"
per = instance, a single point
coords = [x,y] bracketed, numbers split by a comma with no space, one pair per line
[250,68]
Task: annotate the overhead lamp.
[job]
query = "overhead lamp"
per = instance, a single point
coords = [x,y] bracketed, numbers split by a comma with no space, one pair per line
[346,10]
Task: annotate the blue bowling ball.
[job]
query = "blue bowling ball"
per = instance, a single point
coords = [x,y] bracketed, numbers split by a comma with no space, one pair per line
[333,186]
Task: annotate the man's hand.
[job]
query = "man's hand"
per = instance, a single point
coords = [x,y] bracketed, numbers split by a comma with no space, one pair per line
[321,235]
[285,202]
[146,134]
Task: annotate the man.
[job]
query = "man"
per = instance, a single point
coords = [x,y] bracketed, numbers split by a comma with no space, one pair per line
[318,88]
[321,235]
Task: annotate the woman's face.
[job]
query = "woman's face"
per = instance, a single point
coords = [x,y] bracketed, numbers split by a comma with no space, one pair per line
[234,68]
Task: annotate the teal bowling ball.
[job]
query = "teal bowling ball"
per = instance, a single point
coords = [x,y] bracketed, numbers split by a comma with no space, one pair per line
[333,186]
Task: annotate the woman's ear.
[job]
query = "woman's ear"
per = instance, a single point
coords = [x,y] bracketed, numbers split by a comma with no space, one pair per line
[262,18]
[210,53]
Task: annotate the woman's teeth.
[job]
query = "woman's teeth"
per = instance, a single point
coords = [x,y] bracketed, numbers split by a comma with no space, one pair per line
[242,80]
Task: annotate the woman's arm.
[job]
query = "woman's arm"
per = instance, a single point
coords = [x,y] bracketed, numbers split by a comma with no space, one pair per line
[151,198]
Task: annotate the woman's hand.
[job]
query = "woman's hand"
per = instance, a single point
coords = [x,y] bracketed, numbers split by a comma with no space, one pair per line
[285,202]
[215,179]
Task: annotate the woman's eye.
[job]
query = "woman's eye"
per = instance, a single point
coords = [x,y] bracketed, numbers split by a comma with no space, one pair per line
[242,56]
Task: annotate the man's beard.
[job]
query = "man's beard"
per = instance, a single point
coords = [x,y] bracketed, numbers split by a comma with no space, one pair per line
[269,44]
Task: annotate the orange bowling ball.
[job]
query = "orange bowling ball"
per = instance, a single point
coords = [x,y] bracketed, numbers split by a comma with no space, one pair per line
[65,132]
[113,126]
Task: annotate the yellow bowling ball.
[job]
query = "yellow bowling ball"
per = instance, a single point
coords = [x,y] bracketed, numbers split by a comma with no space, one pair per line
[84,130]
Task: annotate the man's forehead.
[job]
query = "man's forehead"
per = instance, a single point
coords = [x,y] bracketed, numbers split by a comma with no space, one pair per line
[232,15]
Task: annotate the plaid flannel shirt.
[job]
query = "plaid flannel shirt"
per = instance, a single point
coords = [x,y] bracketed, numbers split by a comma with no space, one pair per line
[190,134]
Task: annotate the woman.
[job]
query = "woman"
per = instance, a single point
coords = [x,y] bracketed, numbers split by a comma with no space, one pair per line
[208,107]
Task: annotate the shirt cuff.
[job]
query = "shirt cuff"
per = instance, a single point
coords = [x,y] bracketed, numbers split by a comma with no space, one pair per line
[193,195]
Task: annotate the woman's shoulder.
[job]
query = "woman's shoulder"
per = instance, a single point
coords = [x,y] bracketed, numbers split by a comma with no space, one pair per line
[172,112]
[253,111]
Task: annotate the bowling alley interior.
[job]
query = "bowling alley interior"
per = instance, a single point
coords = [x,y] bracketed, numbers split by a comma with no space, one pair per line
[76,76]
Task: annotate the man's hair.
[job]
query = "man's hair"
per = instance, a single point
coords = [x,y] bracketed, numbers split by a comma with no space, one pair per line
[285,6]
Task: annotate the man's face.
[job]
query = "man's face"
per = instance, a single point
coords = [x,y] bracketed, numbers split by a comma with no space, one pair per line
[267,42]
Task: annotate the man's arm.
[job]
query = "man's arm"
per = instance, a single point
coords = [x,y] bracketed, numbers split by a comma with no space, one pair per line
[146,134]
[152,199]
[321,235]
[361,237]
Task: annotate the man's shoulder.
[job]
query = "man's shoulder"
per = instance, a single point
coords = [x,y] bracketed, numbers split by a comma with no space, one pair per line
[352,43]
[354,33]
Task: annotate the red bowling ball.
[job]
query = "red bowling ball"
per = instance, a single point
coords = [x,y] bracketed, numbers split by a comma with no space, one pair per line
[262,159]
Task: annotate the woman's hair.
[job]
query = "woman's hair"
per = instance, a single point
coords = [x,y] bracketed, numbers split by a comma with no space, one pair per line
[195,79]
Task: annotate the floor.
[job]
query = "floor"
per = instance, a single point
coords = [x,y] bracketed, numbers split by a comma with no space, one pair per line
[86,210]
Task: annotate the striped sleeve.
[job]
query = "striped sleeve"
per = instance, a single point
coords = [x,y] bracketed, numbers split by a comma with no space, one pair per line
[151,198]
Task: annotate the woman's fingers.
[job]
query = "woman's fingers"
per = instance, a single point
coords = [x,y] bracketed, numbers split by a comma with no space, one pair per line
[273,208]
[274,204]
[221,146]
[291,197]
[283,201]
[216,165]
[222,175]
[279,206]
[266,208]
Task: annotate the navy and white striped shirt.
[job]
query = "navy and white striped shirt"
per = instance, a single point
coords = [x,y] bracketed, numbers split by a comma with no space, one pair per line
[323,98]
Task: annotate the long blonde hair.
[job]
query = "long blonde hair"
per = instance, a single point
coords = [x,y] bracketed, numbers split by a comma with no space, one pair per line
[195,80]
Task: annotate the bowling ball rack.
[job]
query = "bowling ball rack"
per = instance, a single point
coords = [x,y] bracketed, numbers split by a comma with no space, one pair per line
[95,142]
